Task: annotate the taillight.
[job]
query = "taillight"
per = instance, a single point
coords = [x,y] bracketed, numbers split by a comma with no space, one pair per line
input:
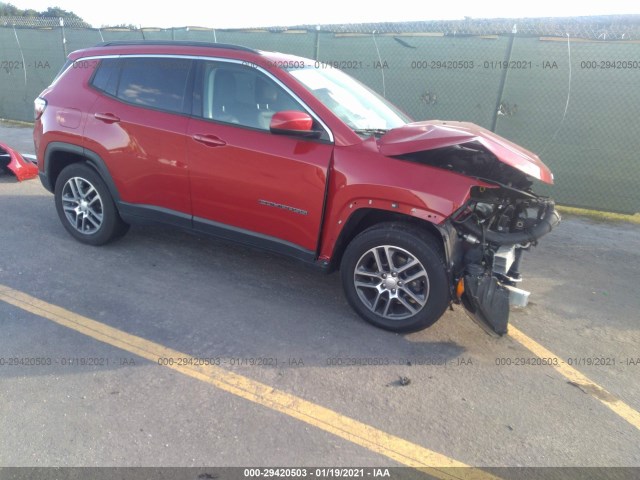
[39,104]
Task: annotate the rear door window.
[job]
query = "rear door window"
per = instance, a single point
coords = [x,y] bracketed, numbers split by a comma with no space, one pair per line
[159,83]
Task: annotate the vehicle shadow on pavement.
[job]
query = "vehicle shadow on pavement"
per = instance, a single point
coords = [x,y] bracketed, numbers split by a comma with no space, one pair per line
[198,295]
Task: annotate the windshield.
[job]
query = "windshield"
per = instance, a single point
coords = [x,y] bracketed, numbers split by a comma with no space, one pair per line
[356,105]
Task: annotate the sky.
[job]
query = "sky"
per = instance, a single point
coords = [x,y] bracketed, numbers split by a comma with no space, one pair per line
[264,13]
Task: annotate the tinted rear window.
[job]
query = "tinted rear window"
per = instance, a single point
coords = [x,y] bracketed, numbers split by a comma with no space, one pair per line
[154,82]
[106,76]
[61,71]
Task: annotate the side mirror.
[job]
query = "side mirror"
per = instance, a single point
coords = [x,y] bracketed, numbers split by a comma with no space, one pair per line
[293,122]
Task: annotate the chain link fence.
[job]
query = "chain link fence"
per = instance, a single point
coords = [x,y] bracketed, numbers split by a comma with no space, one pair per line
[567,89]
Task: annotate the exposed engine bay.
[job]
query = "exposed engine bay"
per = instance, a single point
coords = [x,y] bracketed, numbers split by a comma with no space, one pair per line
[493,229]
[497,226]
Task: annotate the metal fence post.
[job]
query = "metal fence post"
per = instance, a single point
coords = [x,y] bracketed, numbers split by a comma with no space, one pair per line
[432,80]
[316,55]
[64,40]
[503,78]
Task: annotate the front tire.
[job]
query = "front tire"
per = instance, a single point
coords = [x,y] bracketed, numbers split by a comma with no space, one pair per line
[85,206]
[394,277]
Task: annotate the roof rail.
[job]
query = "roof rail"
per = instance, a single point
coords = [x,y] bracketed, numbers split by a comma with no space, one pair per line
[180,43]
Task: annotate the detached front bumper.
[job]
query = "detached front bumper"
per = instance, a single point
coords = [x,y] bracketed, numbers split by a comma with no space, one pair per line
[16,164]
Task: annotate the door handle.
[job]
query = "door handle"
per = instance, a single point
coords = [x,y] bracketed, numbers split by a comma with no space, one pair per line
[209,140]
[107,117]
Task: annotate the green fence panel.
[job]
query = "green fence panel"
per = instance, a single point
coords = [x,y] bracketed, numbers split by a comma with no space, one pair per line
[78,38]
[194,34]
[155,34]
[33,58]
[12,84]
[428,77]
[573,99]
[111,35]
[592,149]
[293,43]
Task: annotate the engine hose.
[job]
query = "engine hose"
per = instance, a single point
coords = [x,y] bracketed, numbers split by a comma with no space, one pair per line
[549,220]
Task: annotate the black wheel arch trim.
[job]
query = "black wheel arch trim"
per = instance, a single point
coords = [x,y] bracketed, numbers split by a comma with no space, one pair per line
[452,252]
[91,158]
[444,233]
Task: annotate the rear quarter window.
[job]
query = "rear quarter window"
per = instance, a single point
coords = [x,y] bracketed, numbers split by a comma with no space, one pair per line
[66,65]
[106,76]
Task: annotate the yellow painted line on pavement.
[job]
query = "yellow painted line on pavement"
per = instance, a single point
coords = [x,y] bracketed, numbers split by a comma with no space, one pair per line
[578,379]
[395,448]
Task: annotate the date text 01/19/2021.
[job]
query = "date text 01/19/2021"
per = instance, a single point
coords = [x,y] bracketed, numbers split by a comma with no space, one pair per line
[231,361]
[316,472]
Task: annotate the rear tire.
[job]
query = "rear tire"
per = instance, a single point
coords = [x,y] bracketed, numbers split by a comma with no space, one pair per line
[394,277]
[85,206]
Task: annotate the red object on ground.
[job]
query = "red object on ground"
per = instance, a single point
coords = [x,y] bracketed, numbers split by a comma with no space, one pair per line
[22,169]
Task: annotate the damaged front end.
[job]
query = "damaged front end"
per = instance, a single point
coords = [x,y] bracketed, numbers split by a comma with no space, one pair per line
[496,226]
[501,219]
[13,162]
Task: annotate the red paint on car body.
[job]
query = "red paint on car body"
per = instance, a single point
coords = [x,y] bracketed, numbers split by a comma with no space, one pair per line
[430,135]
[21,168]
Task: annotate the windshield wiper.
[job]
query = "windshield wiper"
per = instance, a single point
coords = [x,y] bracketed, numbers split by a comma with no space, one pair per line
[371,131]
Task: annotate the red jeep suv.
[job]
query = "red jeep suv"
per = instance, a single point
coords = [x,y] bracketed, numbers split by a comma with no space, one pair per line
[291,155]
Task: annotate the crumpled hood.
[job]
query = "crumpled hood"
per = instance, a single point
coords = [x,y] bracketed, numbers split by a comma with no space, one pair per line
[433,134]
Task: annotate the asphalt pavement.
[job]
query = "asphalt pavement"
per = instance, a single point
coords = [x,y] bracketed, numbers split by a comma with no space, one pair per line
[475,399]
